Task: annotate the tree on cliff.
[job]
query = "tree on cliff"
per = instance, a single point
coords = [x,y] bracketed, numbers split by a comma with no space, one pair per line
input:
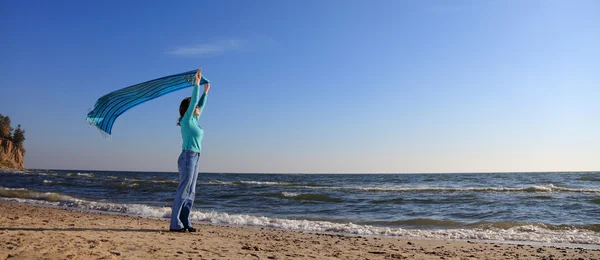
[18,138]
[5,128]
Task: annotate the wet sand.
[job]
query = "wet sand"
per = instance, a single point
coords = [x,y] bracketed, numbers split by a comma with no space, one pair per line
[36,232]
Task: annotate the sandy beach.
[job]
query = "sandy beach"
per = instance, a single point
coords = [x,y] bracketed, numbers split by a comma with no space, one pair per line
[35,232]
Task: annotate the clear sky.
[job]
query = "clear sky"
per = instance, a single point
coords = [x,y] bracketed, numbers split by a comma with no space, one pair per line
[311,86]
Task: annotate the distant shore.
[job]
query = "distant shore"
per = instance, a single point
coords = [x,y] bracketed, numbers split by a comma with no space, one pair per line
[36,232]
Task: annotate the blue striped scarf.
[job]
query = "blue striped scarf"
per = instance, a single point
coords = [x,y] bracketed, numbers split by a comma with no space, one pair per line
[112,105]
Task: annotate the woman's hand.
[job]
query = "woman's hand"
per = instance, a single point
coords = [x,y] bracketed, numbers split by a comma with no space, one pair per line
[206,87]
[199,77]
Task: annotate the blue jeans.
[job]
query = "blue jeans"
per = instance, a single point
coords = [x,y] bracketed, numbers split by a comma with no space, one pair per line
[186,190]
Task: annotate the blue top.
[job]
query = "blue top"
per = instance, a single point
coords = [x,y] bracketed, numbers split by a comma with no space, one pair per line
[191,132]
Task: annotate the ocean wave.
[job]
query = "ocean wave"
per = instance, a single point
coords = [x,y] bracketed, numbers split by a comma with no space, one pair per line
[88,175]
[61,200]
[531,227]
[306,197]
[263,183]
[126,185]
[484,225]
[270,183]
[33,172]
[57,183]
[227,196]
[2,188]
[402,200]
[163,181]
[388,201]
[418,222]
[523,232]
[29,194]
[534,188]
[589,178]
[160,181]
[289,194]
[134,183]
[519,233]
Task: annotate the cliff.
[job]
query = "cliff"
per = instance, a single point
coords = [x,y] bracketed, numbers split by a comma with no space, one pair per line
[11,157]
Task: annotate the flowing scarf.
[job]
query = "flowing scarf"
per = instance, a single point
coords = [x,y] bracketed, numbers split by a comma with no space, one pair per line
[112,105]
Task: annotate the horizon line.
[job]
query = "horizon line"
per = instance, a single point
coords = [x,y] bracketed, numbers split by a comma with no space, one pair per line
[341,173]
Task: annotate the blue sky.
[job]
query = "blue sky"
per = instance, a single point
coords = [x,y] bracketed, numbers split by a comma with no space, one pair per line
[311,86]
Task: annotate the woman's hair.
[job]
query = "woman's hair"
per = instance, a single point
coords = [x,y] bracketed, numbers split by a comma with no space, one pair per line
[185,103]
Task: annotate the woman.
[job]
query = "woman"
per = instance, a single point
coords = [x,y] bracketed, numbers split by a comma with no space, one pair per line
[189,112]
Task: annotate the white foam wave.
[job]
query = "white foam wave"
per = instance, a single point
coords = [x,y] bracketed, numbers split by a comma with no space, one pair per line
[136,182]
[526,233]
[125,184]
[70,202]
[214,182]
[13,171]
[28,194]
[543,188]
[163,181]
[535,188]
[265,183]
[272,183]
[289,194]
[28,172]
[2,188]
[89,175]
[44,173]
[31,201]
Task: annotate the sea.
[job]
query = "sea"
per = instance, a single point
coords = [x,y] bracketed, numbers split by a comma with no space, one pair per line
[561,208]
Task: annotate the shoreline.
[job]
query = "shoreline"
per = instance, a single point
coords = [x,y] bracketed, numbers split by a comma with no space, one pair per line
[292,225]
[333,233]
[34,231]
